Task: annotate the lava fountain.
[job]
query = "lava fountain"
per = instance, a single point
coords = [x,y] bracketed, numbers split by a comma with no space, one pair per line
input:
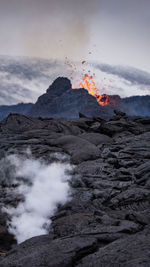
[87,82]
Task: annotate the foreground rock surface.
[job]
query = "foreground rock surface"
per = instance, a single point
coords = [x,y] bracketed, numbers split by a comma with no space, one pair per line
[107,221]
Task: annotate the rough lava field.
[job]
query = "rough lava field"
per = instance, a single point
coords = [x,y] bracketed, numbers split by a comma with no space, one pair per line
[74,175]
[106,220]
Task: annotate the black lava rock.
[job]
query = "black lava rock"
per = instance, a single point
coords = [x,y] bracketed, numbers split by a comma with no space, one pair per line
[107,220]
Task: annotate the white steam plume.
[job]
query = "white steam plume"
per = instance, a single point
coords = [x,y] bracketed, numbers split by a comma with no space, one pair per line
[43,186]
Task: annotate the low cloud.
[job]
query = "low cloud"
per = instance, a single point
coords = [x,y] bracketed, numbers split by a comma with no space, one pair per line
[132,75]
[24,80]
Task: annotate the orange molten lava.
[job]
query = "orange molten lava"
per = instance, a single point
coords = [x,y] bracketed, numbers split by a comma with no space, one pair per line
[88,83]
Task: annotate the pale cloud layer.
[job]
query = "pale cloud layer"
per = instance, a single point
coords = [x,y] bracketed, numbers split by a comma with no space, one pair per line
[24,80]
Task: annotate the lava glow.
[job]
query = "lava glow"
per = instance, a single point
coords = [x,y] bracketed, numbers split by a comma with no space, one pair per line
[89,84]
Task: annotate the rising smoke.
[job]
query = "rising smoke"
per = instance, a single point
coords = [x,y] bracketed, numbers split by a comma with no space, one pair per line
[64,27]
[43,186]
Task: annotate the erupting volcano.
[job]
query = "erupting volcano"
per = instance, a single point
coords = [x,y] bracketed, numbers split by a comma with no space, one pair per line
[61,100]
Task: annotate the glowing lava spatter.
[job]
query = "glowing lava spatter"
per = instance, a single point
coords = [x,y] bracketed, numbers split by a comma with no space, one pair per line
[88,83]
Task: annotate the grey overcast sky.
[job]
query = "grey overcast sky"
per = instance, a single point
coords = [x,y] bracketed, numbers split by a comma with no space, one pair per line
[114,31]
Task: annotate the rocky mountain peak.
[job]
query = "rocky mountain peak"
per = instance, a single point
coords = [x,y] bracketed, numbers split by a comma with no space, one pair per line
[59,86]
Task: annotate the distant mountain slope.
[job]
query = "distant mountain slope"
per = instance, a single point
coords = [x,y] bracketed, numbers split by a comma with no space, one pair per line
[20,108]
[136,106]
